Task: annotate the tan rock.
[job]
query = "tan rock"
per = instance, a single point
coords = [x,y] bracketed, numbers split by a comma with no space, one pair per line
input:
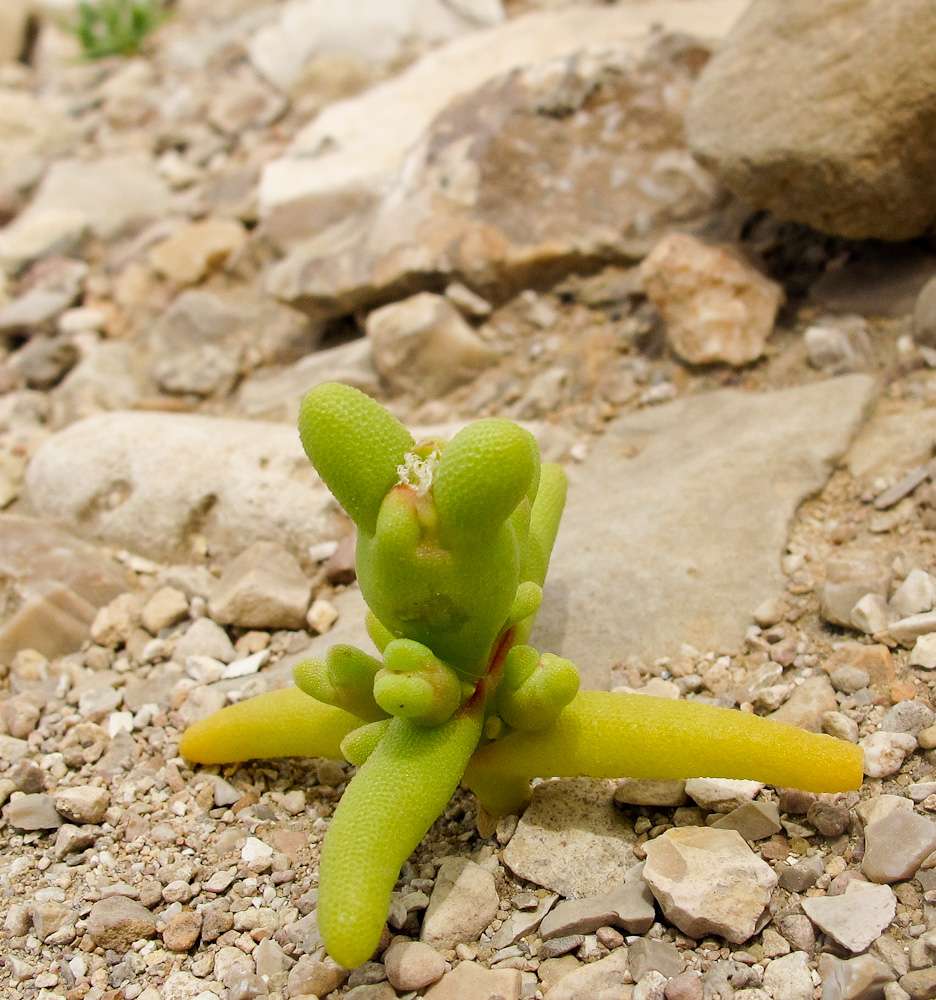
[169,476]
[708,882]
[82,804]
[471,201]
[470,980]
[115,623]
[826,130]
[464,901]
[716,308]
[116,922]
[264,587]
[572,839]
[190,255]
[423,346]
[166,607]
[412,965]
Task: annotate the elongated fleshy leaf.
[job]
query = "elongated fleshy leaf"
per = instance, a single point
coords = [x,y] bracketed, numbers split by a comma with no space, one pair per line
[605,735]
[484,472]
[356,446]
[384,813]
[284,723]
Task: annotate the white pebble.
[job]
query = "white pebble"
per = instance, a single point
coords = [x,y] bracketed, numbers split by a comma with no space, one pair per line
[884,753]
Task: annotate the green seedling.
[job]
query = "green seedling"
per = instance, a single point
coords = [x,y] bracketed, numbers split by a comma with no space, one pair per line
[453,545]
[116,27]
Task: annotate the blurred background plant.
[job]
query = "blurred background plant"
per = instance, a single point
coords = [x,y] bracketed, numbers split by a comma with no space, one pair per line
[117,27]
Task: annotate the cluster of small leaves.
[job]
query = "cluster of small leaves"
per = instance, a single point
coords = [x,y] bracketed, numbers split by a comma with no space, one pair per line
[116,27]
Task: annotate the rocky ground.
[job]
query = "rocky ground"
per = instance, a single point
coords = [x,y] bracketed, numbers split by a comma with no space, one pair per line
[467,211]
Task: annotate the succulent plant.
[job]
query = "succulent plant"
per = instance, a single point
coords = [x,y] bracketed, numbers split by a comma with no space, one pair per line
[453,545]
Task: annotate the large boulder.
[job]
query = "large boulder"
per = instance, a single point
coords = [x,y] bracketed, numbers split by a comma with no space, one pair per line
[565,164]
[824,114]
[157,483]
[343,162]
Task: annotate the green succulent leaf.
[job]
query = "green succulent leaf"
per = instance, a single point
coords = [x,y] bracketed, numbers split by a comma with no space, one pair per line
[356,446]
[483,473]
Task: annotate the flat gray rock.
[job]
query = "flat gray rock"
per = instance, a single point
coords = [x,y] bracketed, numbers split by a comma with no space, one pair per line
[572,839]
[677,519]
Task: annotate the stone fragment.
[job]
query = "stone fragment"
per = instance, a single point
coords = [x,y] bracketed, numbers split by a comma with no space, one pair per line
[847,582]
[36,235]
[897,845]
[117,921]
[572,840]
[870,614]
[884,753]
[264,587]
[860,978]
[152,481]
[857,917]
[276,394]
[116,622]
[915,595]
[321,616]
[650,792]
[829,818]
[801,876]
[314,976]
[906,631]
[753,820]
[876,660]
[33,129]
[871,810]
[716,308]
[849,679]
[665,507]
[182,930]
[470,981]
[113,195]
[785,143]
[646,955]
[82,804]
[108,377]
[722,795]
[920,984]
[839,346]
[205,638]
[45,361]
[422,346]
[21,716]
[629,906]
[193,252]
[32,812]
[603,980]
[168,606]
[907,717]
[244,102]
[464,901]
[923,653]
[789,977]
[12,749]
[412,965]
[686,986]
[52,923]
[708,882]
[521,922]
